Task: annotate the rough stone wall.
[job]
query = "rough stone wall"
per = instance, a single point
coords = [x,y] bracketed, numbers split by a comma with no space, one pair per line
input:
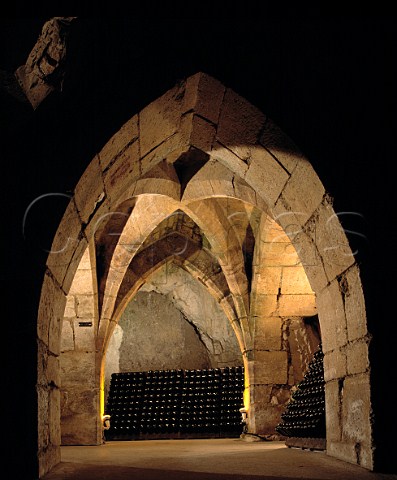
[202,310]
[43,71]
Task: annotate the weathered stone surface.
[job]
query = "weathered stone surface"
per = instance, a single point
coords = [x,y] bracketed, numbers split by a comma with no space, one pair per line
[270,367]
[67,336]
[271,231]
[348,452]
[123,138]
[366,456]
[161,179]
[160,119]
[303,192]
[331,240]
[212,177]
[280,395]
[79,400]
[122,173]
[263,305]
[44,69]
[203,95]
[82,283]
[54,417]
[278,255]
[74,263]
[355,305]
[356,409]
[290,220]
[66,240]
[332,317]
[342,450]
[42,360]
[48,458]
[100,216]
[297,305]
[267,333]
[55,328]
[334,365]
[174,343]
[85,303]
[333,411]
[81,429]
[239,124]
[170,150]
[53,376]
[263,418]
[48,368]
[52,305]
[84,337]
[43,417]
[267,280]
[357,357]
[80,421]
[311,261]
[260,393]
[70,310]
[90,190]
[280,145]
[303,341]
[227,157]
[197,132]
[265,175]
[294,281]
[77,368]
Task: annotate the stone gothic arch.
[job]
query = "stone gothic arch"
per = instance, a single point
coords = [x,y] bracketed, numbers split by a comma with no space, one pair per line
[203,150]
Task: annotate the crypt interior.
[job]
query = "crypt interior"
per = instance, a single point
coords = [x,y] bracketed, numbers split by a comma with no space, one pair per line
[177,233]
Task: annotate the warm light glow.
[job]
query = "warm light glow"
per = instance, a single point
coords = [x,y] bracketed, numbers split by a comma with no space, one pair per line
[102,389]
[246,394]
[246,398]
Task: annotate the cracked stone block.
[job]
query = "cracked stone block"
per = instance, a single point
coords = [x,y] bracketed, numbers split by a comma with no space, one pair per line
[125,136]
[332,405]
[267,334]
[303,180]
[270,367]
[203,95]
[295,281]
[332,317]
[335,365]
[265,175]
[239,124]
[160,119]
[89,192]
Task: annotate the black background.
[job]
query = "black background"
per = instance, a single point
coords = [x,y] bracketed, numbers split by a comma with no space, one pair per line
[327,81]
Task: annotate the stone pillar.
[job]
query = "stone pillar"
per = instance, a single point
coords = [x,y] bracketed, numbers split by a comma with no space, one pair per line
[268,378]
[48,379]
[79,364]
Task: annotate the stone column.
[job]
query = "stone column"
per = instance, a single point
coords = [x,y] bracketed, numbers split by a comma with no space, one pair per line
[79,366]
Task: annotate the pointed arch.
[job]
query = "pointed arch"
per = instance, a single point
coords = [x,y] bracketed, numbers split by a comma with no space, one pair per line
[203,141]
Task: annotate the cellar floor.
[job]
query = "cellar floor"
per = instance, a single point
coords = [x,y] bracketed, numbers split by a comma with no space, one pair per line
[212,459]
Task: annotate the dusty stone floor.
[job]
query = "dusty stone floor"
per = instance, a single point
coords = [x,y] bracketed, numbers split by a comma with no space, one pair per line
[217,459]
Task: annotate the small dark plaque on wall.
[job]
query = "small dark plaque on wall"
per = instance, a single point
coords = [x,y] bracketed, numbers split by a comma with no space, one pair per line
[85,324]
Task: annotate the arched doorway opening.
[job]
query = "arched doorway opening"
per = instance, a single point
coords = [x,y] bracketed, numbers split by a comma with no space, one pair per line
[204,150]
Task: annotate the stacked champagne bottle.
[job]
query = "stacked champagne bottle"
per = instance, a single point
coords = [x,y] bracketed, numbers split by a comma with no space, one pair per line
[174,403]
[305,413]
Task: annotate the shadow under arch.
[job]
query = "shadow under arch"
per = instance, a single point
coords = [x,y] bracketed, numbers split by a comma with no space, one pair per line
[201,114]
